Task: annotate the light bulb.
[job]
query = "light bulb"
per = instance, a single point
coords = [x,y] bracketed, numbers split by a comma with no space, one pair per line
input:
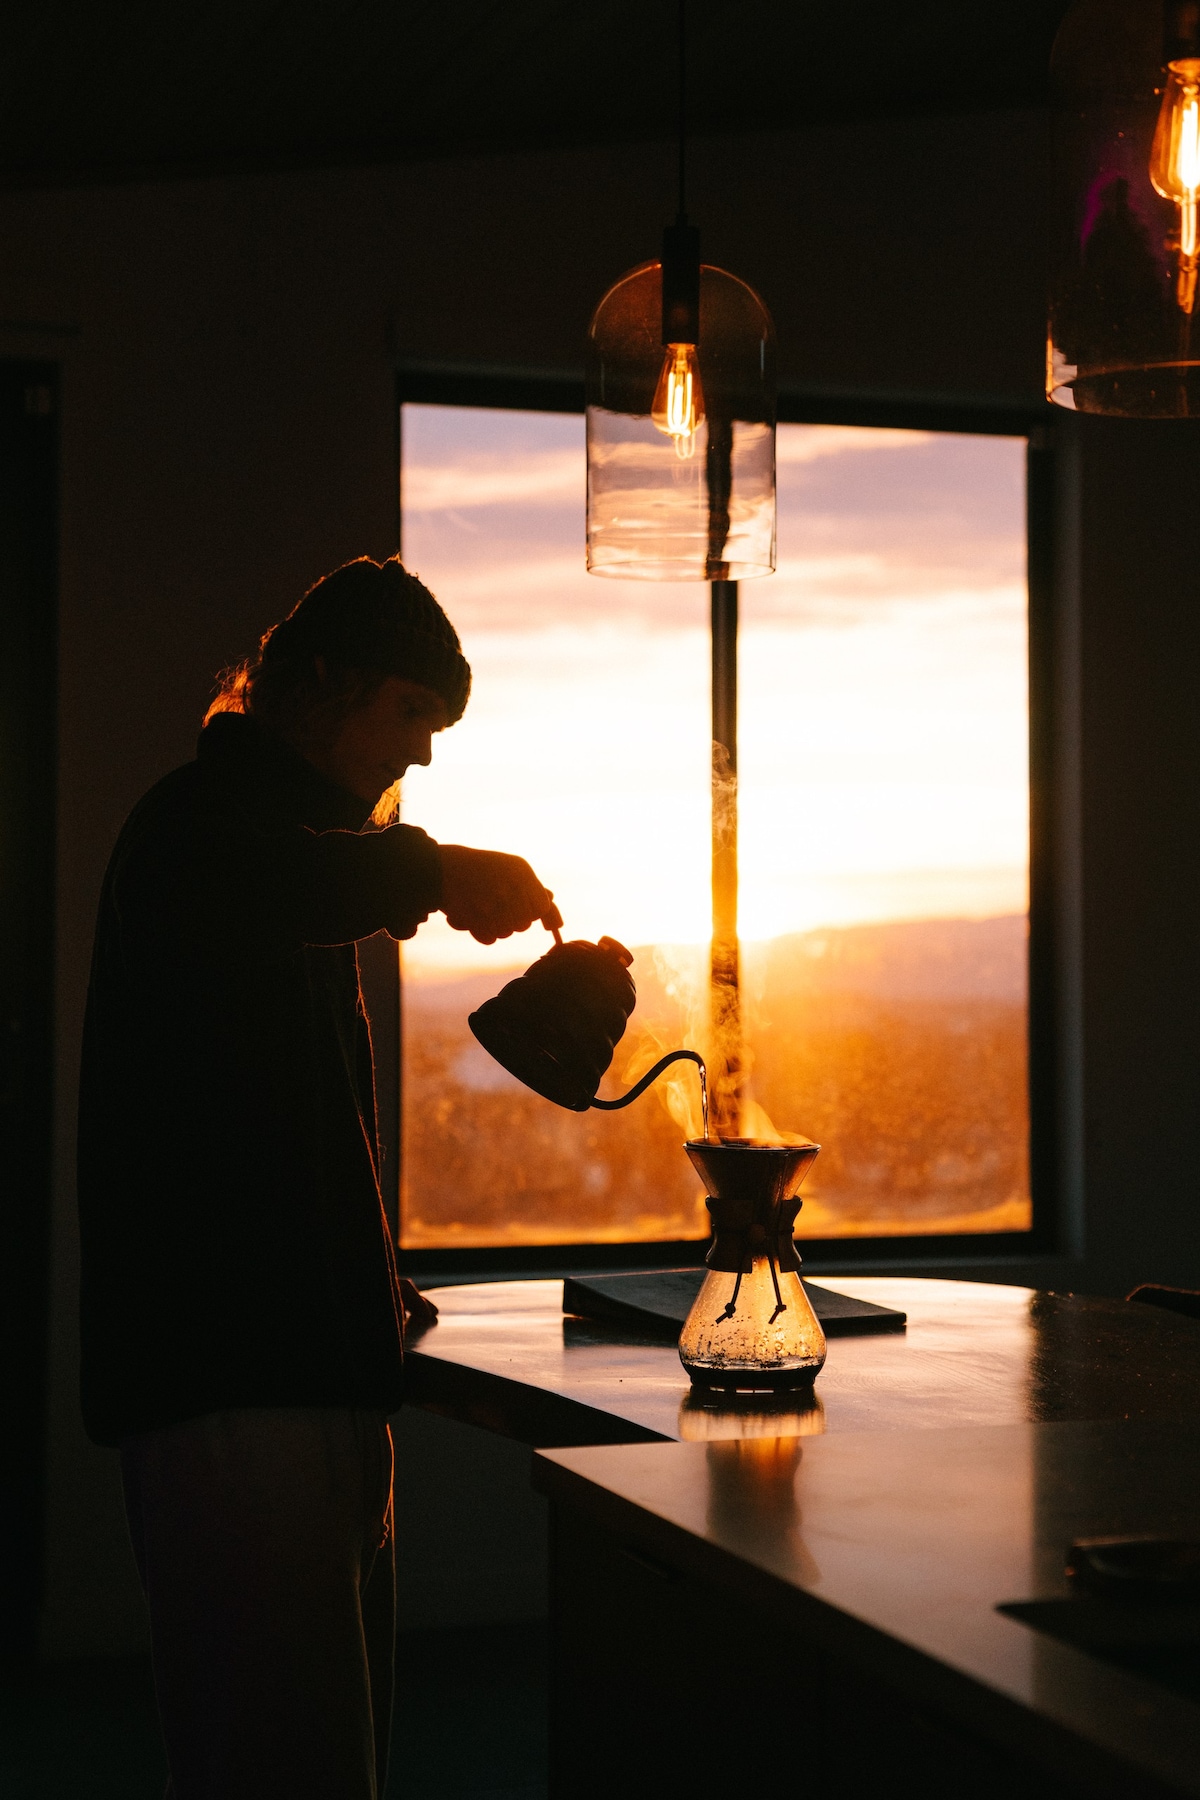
[678,408]
[1175,165]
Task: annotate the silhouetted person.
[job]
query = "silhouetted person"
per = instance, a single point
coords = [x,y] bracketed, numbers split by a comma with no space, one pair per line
[242,1316]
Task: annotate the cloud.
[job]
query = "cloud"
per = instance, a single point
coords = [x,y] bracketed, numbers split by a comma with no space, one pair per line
[810,443]
[524,588]
[470,480]
[868,519]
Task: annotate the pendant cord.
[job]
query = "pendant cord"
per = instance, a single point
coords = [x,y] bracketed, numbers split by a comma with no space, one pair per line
[682,114]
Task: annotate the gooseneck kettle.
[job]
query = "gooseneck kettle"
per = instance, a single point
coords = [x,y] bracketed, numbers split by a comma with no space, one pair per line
[556,1026]
[752,1325]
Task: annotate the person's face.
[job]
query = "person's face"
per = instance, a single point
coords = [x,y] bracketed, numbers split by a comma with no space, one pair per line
[381,739]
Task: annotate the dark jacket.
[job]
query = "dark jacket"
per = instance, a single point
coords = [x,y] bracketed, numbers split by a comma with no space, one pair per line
[235,1251]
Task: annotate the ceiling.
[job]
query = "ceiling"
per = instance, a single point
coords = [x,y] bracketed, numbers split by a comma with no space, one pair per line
[115,89]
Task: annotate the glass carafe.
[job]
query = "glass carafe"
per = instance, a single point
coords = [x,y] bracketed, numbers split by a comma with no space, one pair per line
[752,1325]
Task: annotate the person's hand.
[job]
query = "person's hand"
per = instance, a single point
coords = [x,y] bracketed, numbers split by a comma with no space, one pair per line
[419,1310]
[491,895]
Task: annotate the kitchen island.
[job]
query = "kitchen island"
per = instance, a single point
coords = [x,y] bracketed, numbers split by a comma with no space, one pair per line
[770,1592]
[820,1616]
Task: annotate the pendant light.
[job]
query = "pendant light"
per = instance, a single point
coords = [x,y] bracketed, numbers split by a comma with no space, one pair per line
[1124,337]
[681,417]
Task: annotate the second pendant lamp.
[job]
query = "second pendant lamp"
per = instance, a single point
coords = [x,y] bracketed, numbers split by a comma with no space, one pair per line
[1124,335]
[681,400]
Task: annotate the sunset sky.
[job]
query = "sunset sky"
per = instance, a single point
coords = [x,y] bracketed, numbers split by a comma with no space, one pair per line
[883,715]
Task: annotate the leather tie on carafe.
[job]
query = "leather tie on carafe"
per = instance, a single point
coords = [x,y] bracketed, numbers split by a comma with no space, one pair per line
[740,1235]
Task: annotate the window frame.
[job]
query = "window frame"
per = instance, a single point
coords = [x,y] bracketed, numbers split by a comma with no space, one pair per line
[525,390]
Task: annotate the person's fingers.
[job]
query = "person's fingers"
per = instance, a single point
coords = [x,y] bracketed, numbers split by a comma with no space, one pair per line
[419,1311]
[492,894]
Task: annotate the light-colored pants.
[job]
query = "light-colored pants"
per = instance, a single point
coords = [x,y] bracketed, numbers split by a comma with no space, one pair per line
[264,1542]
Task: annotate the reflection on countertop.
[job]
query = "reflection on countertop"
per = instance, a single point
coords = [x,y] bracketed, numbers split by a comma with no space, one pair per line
[896,1556]
[974,1353]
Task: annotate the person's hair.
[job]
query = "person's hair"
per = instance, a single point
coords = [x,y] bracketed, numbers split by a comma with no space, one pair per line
[288,695]
[353,629]
[296,705]
[363,621]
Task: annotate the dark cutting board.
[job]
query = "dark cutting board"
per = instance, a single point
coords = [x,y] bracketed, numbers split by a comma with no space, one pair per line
[660,1301]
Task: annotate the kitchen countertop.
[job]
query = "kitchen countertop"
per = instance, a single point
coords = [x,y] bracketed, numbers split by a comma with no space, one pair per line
[975,1353]
[893,1549]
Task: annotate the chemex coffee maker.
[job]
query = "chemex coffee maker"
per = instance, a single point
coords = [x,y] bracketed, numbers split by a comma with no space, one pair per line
[752,1326]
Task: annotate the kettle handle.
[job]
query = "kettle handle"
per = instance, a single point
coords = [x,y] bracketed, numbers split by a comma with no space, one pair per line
[653,1074]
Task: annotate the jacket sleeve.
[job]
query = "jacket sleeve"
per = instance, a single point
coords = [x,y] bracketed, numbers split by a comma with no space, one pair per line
[229,893]
[336,886]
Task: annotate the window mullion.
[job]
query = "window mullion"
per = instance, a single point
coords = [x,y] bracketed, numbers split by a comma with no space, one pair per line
[725,993]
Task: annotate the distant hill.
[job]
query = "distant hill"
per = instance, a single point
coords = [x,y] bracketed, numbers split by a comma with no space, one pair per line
[917,959]
[460,993]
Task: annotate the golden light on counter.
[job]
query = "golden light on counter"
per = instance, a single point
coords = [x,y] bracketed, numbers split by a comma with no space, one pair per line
[706,1417]
[1175,166]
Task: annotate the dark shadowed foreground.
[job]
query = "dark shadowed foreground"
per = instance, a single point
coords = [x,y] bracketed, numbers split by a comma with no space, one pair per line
[470,1723]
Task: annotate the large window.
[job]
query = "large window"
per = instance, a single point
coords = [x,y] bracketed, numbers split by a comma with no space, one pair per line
[884,835]
[884,799]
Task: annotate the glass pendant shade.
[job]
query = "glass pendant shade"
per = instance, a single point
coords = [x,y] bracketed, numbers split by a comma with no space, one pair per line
[1124,337]
[681,436]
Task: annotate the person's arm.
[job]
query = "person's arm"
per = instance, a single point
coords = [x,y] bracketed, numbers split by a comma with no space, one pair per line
[346,886]
[232,891]
[336,886]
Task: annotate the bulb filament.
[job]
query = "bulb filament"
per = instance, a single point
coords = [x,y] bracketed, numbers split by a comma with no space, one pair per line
[1175,168]
[678,409]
